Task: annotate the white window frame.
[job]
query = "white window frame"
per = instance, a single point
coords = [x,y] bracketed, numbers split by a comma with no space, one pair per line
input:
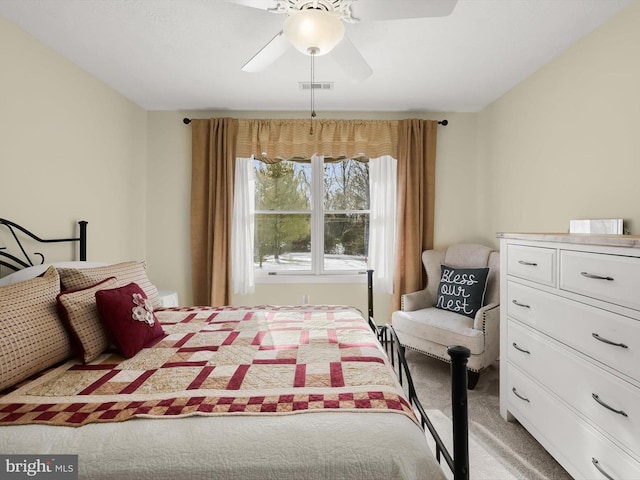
[380,256]
[317,273]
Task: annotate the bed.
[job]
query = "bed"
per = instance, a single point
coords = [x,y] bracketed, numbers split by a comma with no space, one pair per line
[287,392]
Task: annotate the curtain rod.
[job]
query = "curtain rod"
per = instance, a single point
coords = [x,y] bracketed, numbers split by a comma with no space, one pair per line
[444,122]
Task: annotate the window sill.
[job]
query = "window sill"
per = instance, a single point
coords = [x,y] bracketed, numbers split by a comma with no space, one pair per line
[310,279]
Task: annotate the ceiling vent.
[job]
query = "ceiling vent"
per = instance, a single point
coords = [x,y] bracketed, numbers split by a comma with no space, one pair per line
[316,85]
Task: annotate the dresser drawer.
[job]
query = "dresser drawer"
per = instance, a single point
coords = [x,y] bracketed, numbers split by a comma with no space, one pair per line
[609,338]
[532,263]
[610,278]
[610,403]
[574,443]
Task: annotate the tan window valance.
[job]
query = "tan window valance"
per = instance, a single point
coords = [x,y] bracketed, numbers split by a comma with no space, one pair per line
[273,140]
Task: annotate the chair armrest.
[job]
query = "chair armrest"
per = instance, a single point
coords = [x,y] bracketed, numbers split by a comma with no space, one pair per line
[488,320]
[488,314]
[410,302]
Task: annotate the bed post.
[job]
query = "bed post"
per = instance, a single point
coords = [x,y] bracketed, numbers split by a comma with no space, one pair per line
[460,418]
[83,240]
[370,293]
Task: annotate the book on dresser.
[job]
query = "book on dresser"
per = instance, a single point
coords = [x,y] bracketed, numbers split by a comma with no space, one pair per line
[570,348]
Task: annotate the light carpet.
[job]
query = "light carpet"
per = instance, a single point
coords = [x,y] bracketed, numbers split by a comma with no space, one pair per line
[507,447]
[484,462]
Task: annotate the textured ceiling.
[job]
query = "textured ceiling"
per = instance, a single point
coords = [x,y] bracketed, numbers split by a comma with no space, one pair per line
[187,54]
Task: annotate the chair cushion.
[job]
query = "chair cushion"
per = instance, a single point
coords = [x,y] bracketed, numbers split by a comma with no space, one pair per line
[438,326]
[462,290]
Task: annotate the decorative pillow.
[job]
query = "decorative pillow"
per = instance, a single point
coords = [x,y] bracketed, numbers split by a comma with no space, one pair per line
[38,270]
[128,316]
[125,273]
[32,337]
[462,290]
[78,309]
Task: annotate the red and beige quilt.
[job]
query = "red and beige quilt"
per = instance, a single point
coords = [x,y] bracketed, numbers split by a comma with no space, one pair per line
[220,361]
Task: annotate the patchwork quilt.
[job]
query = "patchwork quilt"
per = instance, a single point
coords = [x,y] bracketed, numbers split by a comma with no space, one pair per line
[221,361]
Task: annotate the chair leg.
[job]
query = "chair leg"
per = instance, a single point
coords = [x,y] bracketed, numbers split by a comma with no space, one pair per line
[472,379]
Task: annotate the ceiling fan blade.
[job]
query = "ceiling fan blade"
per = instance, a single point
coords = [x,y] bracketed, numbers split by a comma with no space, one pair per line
[347,55]
[386,10]
[268,54]
[261,4]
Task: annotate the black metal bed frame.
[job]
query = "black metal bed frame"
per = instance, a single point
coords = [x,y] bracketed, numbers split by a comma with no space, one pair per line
[459,461]
[19,263]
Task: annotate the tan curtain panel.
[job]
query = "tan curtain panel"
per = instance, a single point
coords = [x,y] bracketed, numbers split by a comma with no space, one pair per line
[416,197]
[217,142]
[213,164]
[274,140]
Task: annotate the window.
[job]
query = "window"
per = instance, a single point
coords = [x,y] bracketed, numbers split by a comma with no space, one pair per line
[311,217]
[314,218]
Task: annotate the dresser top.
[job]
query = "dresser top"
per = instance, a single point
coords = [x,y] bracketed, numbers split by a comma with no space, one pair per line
[577,238]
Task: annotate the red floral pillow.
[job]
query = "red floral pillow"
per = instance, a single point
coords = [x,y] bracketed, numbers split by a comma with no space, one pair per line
[127,315]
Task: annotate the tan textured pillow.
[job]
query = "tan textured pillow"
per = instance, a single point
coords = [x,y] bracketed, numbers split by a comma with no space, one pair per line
[78,309]
[32,337]
[125,273]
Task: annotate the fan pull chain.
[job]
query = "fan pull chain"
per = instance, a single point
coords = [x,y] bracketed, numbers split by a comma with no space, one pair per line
[312,53]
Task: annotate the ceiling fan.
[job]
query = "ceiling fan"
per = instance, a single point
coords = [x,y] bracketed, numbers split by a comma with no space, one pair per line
[344,52]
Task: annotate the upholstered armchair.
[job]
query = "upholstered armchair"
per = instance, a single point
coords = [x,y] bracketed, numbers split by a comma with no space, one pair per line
[421,326]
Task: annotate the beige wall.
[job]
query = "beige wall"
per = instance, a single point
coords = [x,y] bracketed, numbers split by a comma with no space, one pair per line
[565,143]
[168,213]
[70,149]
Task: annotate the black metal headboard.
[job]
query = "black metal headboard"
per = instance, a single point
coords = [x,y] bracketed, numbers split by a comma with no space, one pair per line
[19,263]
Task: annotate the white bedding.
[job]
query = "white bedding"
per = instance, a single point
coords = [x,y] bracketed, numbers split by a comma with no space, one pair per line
[368,445]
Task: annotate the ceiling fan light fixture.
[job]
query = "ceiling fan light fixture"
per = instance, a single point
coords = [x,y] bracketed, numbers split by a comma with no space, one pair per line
[313,30]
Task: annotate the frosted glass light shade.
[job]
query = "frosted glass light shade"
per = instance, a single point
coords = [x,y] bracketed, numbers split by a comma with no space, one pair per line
[313,30]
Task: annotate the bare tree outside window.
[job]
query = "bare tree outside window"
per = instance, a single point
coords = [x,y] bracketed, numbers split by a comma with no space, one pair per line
[346,213]
[285,236]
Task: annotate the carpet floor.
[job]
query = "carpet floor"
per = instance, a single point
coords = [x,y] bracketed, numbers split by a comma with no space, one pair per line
[508,442]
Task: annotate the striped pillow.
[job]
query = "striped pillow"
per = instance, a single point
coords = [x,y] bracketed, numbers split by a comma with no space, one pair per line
[32,337]
[125,273]
[78,308]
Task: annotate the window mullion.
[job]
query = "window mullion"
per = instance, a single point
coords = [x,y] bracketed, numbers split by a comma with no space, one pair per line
[317,215]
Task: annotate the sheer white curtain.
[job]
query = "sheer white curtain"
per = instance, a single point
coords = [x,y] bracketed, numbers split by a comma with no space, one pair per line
[242,228]
[383,174]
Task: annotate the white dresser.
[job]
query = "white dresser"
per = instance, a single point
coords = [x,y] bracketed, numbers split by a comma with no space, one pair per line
[570,348]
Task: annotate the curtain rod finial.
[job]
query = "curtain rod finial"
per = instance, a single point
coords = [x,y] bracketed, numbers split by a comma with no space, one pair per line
[444,122]
[186,121]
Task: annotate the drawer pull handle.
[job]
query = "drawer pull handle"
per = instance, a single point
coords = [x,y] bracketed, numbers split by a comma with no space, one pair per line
[596,464]
[515,392]
[529,264]
[604,340]
[523,305]
[597,277]
[515,345]
[597,399]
